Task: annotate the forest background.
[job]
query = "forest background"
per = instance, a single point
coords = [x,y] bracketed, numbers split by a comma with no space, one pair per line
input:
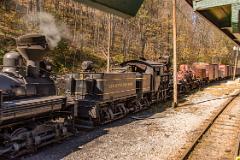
[81,33]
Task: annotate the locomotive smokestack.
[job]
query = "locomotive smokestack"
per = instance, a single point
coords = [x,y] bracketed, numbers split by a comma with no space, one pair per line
[33,48]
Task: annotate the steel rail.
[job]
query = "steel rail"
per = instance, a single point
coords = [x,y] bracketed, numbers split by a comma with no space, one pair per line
[191,148]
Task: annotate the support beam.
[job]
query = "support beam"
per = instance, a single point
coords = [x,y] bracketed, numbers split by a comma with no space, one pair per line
[224,14]
[109,41]
[235,18]
[236,60]
[217,11]
[206,4]
[175,87]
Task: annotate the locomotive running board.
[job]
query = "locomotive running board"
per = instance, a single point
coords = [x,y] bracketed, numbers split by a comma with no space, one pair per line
[30,107]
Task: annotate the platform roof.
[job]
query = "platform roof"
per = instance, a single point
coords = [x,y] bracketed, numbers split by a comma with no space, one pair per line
[224,14]
[123,8]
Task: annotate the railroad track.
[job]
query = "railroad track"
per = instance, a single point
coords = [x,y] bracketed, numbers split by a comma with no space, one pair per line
[219,136]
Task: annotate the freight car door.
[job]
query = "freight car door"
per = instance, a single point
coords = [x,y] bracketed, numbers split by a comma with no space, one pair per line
[150,71]
[157,79]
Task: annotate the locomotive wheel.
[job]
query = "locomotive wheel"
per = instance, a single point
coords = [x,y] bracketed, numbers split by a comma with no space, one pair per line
[138,106]
[165,95]
[187,89]
[126,111]
[183,89]
[146,102]
[123,109]
[111,114]
[131,106]
[18,131]
[106,115]
[158,96]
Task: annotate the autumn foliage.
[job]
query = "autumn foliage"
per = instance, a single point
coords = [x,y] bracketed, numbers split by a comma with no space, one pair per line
[148,35]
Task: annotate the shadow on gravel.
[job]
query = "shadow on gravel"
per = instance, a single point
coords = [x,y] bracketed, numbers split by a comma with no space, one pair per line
[189,104]
[60,150]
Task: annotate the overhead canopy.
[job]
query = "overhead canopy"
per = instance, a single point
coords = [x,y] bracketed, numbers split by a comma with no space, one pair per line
[224,14]
[123,8]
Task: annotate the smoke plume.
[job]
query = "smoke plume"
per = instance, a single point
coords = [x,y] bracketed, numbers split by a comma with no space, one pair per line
[47,25]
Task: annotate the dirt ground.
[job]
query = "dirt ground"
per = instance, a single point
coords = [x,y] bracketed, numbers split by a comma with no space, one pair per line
[156,134]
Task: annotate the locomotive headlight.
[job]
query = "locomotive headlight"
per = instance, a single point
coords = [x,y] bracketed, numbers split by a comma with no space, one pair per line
[87,65]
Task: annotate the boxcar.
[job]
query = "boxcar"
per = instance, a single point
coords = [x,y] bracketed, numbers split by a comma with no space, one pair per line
[216,71]
[204,67]
[200,73]
[223,71]
[211,72]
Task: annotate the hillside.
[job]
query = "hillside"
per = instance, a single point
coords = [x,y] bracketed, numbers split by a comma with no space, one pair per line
[82,32]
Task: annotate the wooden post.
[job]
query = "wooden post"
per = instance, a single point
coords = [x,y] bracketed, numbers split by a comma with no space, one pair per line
[175,89]
[109,41]
[236,62]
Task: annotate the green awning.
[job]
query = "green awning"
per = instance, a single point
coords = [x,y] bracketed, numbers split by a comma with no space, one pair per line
[224,14]
[123,8]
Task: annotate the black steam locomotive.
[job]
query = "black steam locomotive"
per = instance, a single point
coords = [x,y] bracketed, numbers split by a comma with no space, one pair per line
[28,100]
[33,115]
[103,97]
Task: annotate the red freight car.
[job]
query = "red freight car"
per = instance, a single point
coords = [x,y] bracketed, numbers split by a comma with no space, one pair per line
[223,71]
[200,74]
[185,73]
[212,70]
[216,71]
[203,67]
[238,72]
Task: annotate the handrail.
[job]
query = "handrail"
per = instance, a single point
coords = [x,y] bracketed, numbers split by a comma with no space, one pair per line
[13,66]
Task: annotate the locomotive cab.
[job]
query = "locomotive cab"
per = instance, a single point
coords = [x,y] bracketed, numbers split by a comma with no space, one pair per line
[153,77]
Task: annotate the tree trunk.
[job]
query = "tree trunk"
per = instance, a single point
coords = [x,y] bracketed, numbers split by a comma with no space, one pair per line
[39,5]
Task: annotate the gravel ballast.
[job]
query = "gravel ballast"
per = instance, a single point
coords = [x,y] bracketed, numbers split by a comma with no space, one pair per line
[155,135]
